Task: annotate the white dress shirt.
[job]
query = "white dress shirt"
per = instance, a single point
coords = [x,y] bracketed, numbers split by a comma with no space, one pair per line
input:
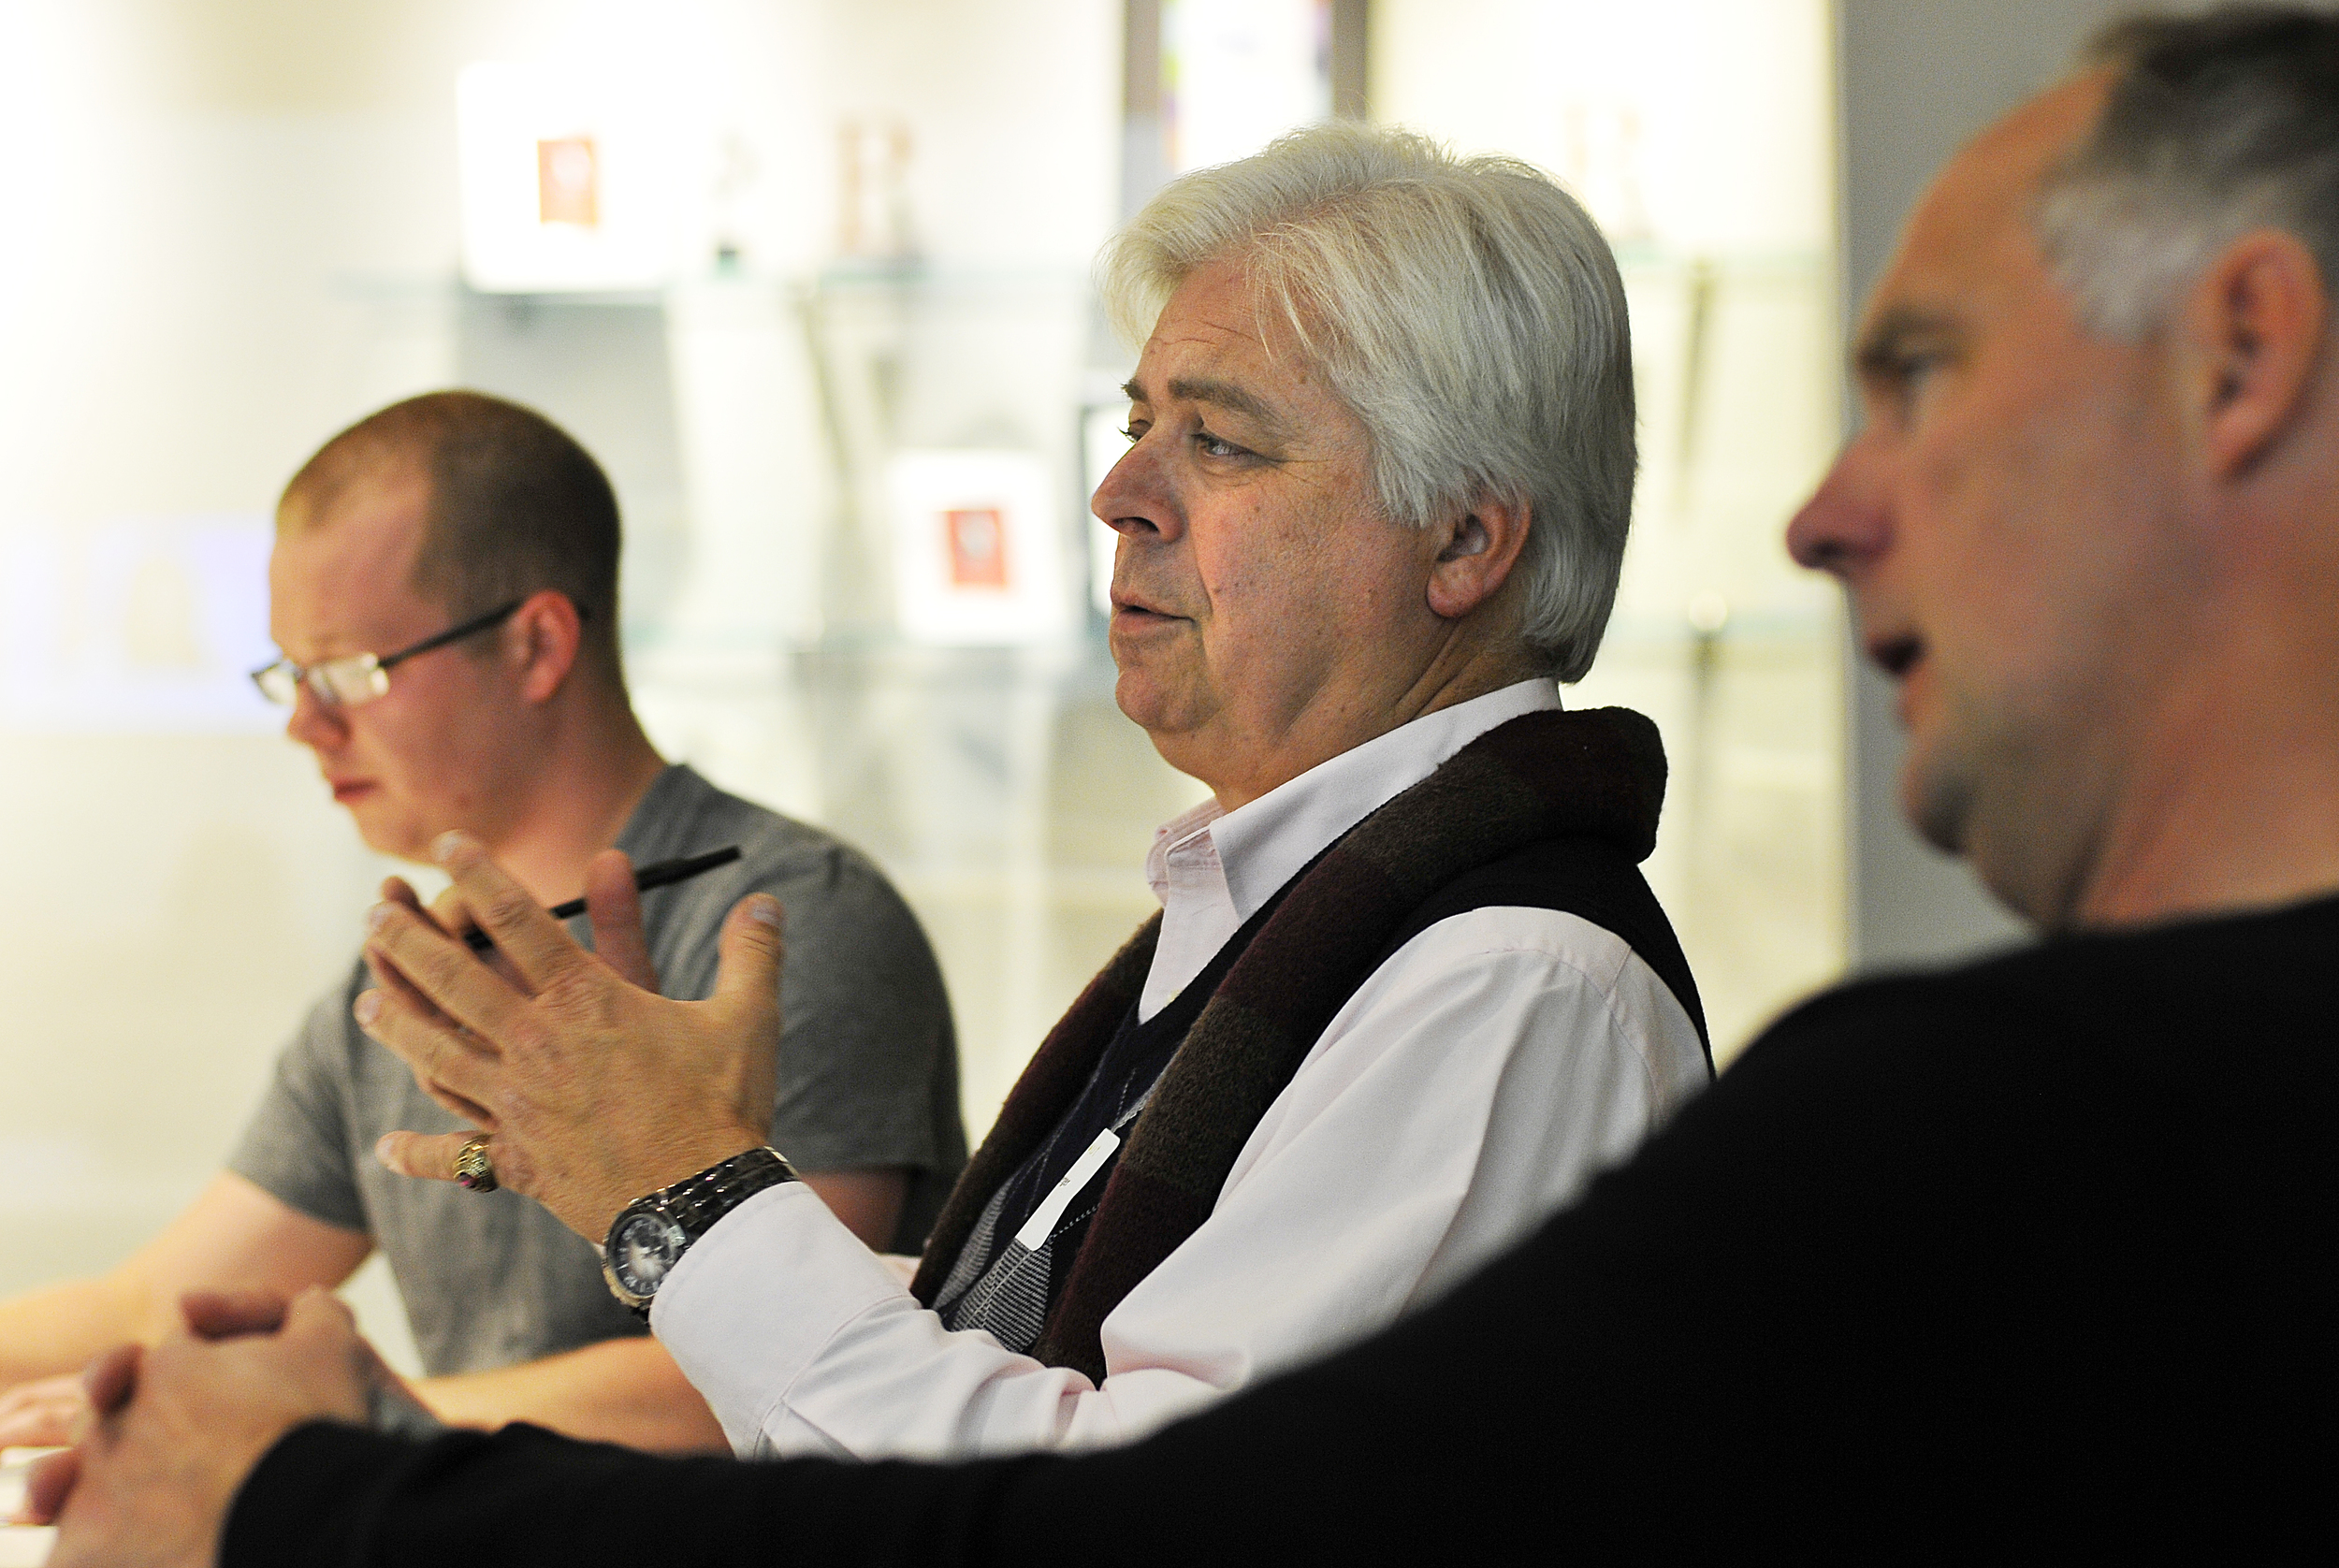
[1478,1078]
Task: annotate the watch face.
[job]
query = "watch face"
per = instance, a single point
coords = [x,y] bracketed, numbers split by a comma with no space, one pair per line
[645,1248]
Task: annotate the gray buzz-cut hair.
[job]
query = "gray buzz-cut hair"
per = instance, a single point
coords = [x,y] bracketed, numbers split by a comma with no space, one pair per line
[2217,124]
[1468,312]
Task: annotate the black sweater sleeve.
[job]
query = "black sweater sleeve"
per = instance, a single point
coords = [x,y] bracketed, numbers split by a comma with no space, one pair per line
[339,1495]
[1903,1261]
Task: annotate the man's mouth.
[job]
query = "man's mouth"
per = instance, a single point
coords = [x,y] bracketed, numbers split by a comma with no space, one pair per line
[1896,656]
[1137,610]
[348,789]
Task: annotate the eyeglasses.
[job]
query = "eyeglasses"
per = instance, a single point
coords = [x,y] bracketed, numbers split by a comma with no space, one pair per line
[361,677]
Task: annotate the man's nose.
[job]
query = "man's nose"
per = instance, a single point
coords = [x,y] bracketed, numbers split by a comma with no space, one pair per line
[1845,524]
[1136,498]
[314,723]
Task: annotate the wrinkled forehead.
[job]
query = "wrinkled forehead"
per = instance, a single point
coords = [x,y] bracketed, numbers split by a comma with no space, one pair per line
[1226,305]
[1220,331]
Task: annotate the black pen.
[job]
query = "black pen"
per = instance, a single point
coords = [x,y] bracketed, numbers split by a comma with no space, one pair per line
[663,874]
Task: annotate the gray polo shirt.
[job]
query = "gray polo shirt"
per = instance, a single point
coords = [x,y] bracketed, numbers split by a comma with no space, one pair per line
[868,1077]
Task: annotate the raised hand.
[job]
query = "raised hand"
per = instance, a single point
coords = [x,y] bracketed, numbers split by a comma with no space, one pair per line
[596,1090]
[619,942]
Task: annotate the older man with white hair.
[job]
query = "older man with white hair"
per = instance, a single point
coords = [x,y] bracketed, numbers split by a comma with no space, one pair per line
[1408,990]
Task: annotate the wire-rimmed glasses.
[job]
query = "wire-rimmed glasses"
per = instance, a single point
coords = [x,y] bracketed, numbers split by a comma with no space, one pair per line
[361,677]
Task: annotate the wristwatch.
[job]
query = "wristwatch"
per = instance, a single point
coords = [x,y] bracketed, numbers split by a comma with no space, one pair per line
[650,1234]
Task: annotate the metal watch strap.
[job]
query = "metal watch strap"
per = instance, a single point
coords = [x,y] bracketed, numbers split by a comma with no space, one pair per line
[696,1202]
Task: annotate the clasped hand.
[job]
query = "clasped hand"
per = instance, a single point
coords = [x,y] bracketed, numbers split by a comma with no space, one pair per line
[594,1089]
[170,1433]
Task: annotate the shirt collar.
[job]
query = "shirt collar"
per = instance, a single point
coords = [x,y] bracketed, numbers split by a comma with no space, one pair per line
[1263,845]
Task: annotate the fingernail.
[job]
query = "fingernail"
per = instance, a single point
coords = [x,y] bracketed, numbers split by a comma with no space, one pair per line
[367,1008]
[764,908]
[382,1152]
[443,848]
[375,916]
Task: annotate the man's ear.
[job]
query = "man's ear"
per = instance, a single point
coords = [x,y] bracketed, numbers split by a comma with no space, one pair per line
[2249,341]
[547,632]
[1476,551]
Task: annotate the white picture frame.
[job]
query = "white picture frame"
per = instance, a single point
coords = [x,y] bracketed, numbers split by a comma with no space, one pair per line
[577,181]
[978,548]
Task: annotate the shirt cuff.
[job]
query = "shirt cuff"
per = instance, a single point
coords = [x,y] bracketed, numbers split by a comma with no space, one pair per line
[756,1298]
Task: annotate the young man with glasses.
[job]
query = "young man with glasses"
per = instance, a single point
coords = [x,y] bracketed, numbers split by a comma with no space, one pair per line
[444,591]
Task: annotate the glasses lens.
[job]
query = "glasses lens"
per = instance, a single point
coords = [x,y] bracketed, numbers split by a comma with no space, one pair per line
[280,683]
[351,681]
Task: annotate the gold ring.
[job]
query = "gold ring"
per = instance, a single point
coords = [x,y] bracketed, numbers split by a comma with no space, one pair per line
[474,1170]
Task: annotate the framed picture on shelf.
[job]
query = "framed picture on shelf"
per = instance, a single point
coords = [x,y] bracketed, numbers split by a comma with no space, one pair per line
[574,182]
[979,556]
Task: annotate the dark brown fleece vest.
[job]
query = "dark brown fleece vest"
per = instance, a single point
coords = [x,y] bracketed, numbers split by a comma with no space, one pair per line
[1591,780]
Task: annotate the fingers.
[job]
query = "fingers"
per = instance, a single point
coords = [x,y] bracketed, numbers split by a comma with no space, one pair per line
[429,1156]
[41,1414]
[528,937]
[457,1066]
[451,914]
[470,1110]
[322,1329]
[225,1315]
[748,965]
[109,1381]
[386,976]
[425,968]
[616,907]
[47,1487]
[398,890]
[317,1313]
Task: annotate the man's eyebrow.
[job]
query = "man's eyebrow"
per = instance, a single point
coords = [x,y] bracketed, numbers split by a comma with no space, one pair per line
[1885,344]
[1219,394]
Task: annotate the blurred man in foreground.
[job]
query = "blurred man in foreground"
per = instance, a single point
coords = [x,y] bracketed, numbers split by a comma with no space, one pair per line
[2026,1259]
[444,588]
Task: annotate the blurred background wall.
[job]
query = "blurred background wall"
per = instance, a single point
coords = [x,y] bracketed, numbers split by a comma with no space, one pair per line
[857,277]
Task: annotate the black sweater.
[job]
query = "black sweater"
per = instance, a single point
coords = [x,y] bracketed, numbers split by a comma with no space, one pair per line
[2027,1255]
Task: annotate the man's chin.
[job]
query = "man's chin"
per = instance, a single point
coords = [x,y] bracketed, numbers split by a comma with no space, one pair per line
[398,840]
[1141,698]
[1936,800]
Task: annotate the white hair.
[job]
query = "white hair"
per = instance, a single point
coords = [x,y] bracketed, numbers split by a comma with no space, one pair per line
[1466,310]
[2216,125]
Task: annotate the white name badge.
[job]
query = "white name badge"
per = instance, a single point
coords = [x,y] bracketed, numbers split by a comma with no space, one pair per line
[1034,1232]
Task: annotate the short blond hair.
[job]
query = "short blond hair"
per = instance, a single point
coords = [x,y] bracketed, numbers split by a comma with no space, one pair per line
[516,506]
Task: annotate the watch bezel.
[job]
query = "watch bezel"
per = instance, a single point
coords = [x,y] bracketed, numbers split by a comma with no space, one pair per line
[688,1210]
[672,1242]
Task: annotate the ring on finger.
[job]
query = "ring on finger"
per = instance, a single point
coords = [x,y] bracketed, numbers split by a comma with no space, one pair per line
[474,1168]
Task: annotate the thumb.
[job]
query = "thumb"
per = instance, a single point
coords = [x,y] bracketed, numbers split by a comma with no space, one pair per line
[748,965]
[225,1315]
[45,1490]
[317,1312]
